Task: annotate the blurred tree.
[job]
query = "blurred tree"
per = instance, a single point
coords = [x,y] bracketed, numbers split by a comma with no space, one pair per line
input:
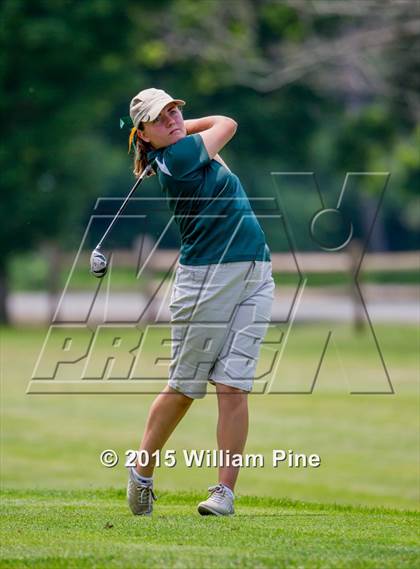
[62,68]
[292,72]
[313,85]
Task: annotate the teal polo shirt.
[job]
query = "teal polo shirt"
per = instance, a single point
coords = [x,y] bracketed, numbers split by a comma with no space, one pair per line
[209,204]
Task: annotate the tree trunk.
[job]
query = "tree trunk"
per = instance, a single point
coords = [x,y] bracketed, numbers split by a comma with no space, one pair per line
[4,291]
[355,253]
[378,240]
[53,255]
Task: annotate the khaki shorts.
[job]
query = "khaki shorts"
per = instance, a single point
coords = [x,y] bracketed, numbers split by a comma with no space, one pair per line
[219,315]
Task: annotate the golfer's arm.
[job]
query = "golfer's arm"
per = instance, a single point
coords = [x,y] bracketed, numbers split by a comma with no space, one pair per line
[222,162]
[198,125]
[216,131]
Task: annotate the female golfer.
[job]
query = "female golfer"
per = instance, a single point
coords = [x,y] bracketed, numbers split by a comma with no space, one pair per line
[223,290]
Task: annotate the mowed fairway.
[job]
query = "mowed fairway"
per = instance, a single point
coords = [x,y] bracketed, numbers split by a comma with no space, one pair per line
[62,508]
[93,529]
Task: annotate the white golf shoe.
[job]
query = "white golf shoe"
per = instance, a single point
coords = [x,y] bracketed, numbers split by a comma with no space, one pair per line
[140,497]
[219,503]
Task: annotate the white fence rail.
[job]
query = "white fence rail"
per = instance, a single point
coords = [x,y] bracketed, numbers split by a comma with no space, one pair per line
[162,259]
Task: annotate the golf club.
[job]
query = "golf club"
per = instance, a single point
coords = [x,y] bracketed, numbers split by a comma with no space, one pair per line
[98,262]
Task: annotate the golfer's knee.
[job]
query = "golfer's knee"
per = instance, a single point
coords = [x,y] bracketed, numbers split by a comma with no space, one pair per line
[182,399]
[232,400]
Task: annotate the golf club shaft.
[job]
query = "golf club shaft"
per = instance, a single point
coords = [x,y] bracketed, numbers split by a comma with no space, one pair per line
[133,189]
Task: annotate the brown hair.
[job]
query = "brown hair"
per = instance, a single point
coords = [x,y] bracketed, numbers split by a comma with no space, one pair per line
[141,148]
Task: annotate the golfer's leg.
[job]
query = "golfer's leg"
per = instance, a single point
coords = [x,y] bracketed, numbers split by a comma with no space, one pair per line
[232,428]
[165,413]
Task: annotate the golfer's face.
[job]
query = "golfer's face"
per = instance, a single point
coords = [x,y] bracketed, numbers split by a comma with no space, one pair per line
[167,129]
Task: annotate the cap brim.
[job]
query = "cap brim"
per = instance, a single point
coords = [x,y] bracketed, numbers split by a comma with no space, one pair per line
[160,105]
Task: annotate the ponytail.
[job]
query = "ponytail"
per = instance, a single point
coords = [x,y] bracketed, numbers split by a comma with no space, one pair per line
[141,148]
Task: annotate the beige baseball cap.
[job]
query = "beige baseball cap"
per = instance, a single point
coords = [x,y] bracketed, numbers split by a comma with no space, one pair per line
[147,104]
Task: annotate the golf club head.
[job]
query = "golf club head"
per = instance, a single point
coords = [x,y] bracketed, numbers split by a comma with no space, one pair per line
[98,263]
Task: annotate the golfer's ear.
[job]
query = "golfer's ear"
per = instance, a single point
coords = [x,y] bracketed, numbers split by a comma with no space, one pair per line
[216,137]
[141,135]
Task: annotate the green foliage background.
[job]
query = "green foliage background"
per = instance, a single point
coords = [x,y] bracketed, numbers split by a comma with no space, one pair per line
[327,90]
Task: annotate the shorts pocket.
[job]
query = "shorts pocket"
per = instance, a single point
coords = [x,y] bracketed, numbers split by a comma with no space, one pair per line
[186,275]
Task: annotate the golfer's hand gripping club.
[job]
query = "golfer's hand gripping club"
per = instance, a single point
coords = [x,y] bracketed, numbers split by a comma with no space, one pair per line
[98,262]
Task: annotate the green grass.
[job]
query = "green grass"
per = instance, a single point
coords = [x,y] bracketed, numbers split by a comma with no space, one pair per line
[401,277]
[90,529]
[367,443]
[58,497]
